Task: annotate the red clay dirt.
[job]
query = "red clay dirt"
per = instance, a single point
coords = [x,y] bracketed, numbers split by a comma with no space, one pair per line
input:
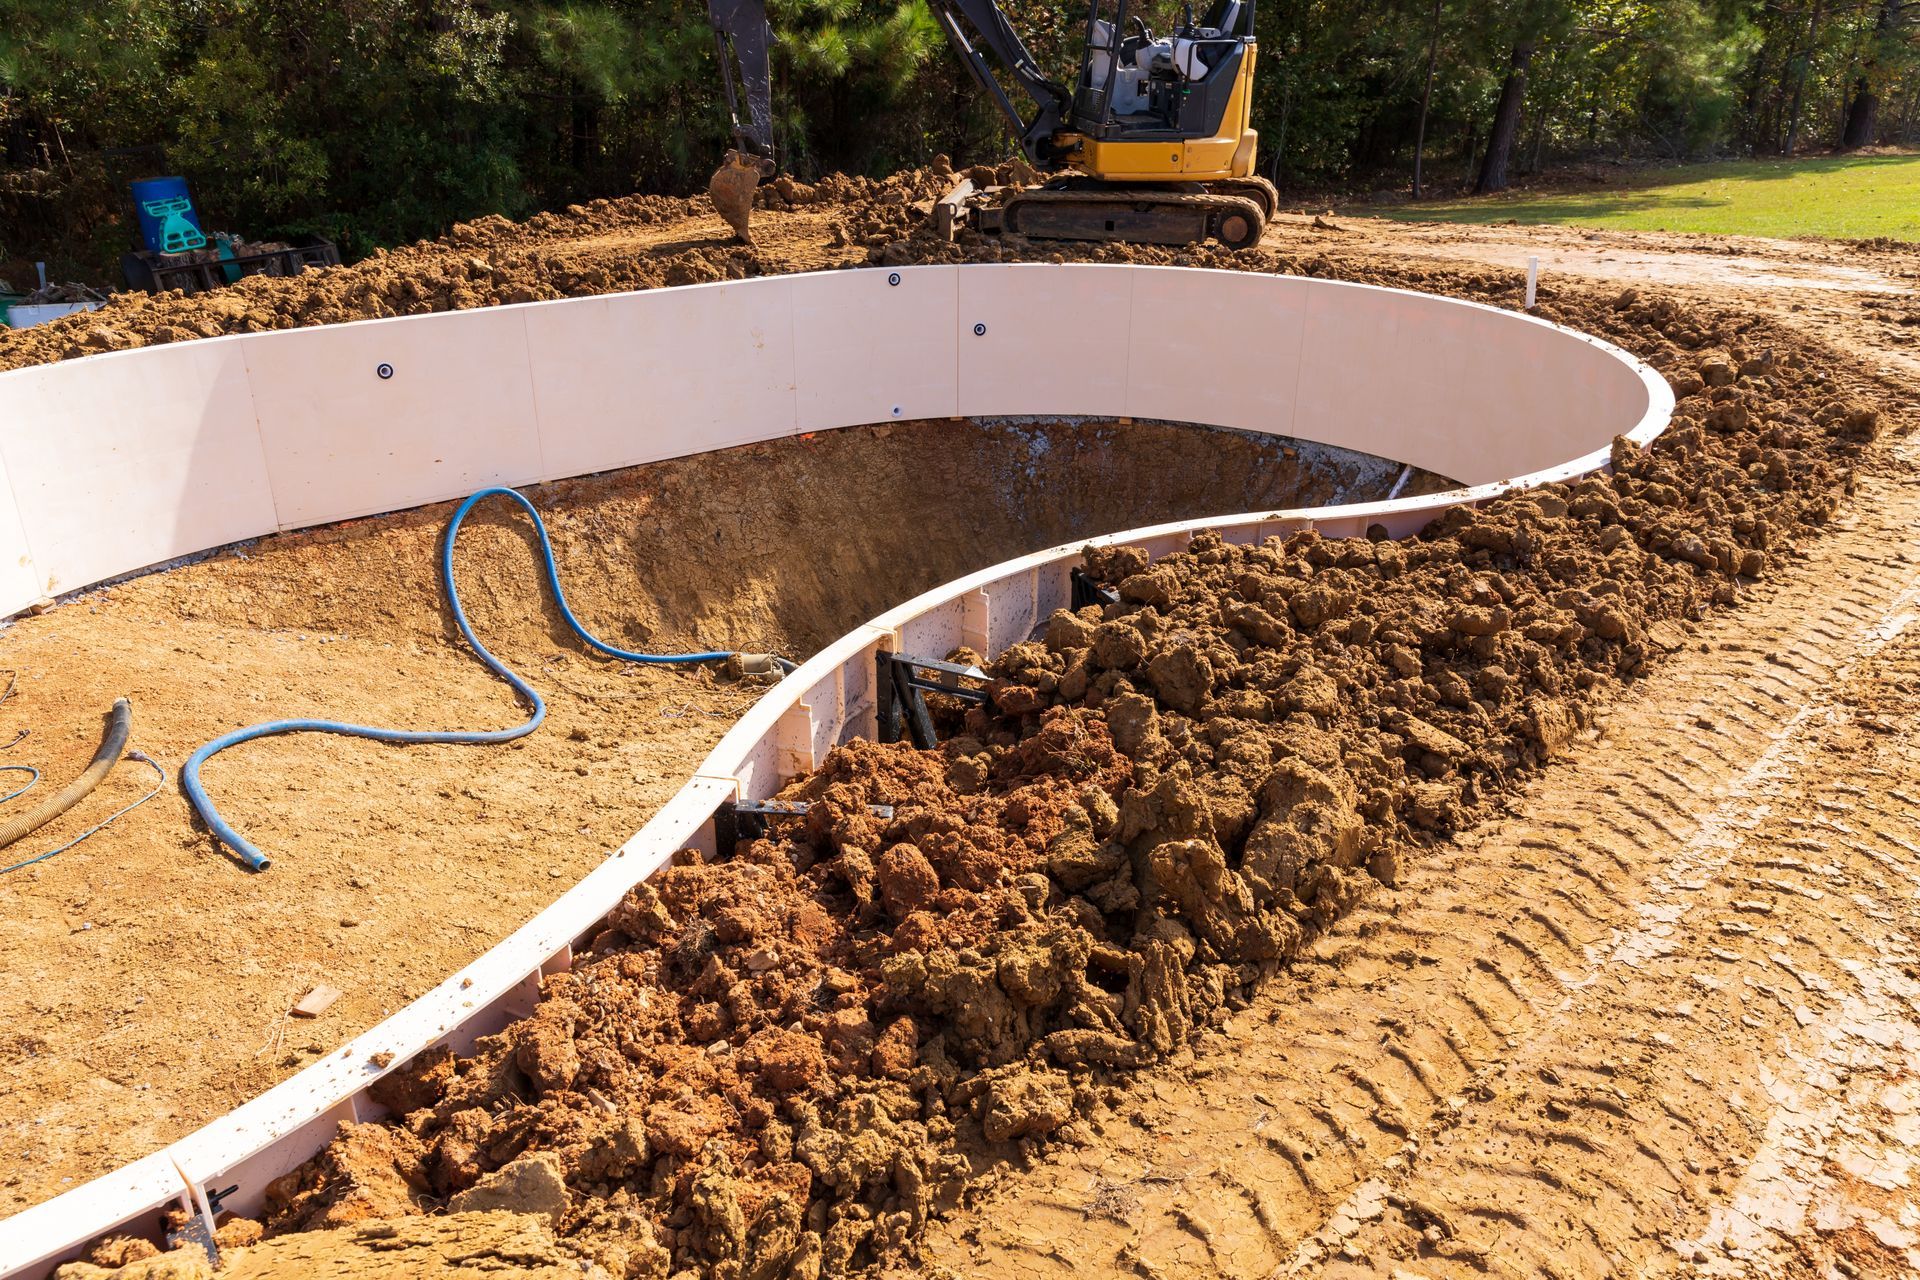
[606,246]
[789,1062]
[395,866]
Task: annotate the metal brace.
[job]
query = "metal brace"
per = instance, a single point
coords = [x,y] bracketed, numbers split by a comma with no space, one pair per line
[902,690]
[198,1228]
[739,820]
[1086,591]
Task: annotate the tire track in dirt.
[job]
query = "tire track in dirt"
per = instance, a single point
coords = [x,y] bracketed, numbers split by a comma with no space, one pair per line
[1652,1021]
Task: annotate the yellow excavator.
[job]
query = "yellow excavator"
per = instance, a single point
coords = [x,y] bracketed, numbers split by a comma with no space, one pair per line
[1152,145]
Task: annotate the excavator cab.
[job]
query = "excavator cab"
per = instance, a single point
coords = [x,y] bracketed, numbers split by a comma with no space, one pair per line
[1165,106]
[1152,144]
[1135,82]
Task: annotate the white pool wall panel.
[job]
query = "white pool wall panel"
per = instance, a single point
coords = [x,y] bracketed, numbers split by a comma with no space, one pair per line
[134,458]
[124,460]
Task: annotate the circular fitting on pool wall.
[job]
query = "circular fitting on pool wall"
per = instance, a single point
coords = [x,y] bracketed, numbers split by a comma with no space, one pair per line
[385,370]
[893,277]
[980,331]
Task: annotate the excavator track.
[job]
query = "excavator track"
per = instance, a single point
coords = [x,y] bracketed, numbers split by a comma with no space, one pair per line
[1136,215]
[1256,189]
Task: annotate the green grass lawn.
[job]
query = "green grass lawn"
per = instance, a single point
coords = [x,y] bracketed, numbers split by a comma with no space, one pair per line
[1850,197]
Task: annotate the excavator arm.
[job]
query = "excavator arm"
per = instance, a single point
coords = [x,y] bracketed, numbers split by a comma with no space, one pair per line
[979,28]
[980,35]
[741,37]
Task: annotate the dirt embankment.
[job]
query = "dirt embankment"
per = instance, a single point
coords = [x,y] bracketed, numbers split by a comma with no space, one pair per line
[784,1063]
[606,246]
[395,867]
[641,242]
[638,242]
[770,525]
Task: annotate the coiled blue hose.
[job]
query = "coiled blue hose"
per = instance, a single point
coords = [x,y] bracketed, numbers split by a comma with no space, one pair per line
[258,861]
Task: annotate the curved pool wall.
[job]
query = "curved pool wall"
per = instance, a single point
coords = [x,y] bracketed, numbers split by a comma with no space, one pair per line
[117,462]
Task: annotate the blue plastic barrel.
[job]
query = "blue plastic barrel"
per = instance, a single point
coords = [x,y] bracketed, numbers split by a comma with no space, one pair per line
[168,221]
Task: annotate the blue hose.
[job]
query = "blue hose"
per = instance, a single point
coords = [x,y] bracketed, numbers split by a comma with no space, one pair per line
[19,768]
[224,832]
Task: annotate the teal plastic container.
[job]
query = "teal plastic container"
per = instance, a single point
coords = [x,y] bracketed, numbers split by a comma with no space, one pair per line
[168,220]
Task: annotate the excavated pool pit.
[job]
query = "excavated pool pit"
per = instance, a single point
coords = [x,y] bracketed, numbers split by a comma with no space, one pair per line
[1422,400]
[349,620]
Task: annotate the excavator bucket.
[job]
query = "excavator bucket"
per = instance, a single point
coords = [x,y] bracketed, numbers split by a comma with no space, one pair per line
[732,187]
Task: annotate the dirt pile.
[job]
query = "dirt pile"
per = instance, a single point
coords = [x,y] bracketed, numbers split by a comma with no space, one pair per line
[394,869]
[604,246]
[913,243]
[783,1063]
[459,1246]
[641,242]
[482,263]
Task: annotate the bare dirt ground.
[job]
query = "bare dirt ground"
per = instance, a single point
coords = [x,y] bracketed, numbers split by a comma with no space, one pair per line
[150,978]
[1860,297]
[1657,1018]
[1661,1017]
[1741,262]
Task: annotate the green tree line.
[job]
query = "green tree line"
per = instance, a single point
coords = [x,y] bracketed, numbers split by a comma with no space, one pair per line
[381,121]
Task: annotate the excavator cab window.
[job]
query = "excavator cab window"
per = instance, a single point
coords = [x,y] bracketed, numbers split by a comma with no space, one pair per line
[1113,41]
[1136,81]
[1227,18]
